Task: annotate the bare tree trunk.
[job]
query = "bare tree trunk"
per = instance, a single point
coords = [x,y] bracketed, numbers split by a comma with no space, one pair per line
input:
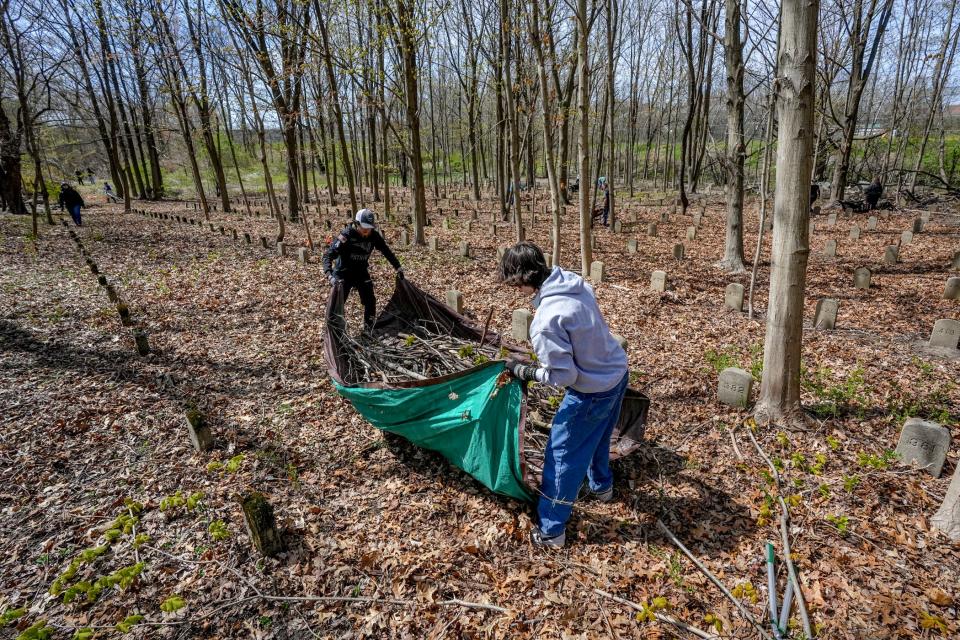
[779,401]
[584,23]
[736,148]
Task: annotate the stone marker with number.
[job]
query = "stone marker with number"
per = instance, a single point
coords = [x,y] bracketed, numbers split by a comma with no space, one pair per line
[734,387]
[658,281]
[597,271]
[825,316]
[678,251]
[521,324]
[952,290]
[872,223]
[830,249]
[906,237]
[854,232]
[924,444]
[455,300]
[891,255]
[632,245]
[652,229]
[945,333]
[733,296]
[947,518]
[861,278]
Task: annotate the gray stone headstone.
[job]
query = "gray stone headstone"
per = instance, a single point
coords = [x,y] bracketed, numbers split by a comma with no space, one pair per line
[855,232]
[652,229]
[303,254]
[955,264]
[404,238]
[469,226]
[678,251]
[198,430]
[872,223]
[691,233]
[825,316]
[664,216]
[861,278]
[734,387]
[924,444]
[658,281]
[500,253]
[464,249]
[617,227]
[246,238]
[212,229]
[282,249]
[831,219]
[946,333]
[917,225]
[952,290]
[236,234]
[446,224]
[733,296]
[620,340]
[597,271]
[816,211]
[697,219]
[906,237]
[632,245]
[521,324]
[432,244]
[264,242]
[455,300]
[891,255]
[830,249]
[947,518]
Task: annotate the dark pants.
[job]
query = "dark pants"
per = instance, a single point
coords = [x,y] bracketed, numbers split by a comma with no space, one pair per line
[75,213]
[364,286]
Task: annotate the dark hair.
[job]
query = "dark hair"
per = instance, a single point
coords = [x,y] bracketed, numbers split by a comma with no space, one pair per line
[524,264]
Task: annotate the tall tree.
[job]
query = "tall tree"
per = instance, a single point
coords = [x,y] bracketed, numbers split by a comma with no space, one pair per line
[736,144]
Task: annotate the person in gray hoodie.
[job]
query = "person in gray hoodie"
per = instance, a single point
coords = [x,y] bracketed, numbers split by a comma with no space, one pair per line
[575,350]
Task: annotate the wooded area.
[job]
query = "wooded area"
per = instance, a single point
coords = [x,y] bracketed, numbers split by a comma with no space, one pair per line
[760,194]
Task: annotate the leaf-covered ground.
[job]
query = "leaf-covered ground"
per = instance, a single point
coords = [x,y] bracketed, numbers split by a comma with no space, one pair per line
[105,504]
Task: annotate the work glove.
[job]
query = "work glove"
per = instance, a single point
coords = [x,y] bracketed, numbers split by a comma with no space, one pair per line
[521,370]
[333,279]
[400,274]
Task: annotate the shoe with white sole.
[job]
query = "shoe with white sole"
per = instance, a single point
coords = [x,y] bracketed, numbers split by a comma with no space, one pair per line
[540,540]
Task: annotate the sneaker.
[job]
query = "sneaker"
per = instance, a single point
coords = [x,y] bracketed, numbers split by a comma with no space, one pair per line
[603,496]
[540,540]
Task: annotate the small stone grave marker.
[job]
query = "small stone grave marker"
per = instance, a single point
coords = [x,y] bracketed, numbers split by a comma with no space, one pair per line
[247,239]
[263,242]
[946,333]
[952,290]
[143,345]
[678,251]
[924,444]
[433,245]
[620,340]
[734,387]
[446,224]
[303,255]
[198,430]
[861,278]
[500,253]
[891,255]
[664,216]
[652,229]
[955,264]
[282,249]
[261,524]
[658,281]
[854,232]
[947,518]
[521,324]
[733,297]
[872,223]
[464,249]
[906,237]
[691,233]
[825,317]
[404,238]
[831,220]
[455,300]
[917,225]
[632,245]
[617,227]
[597,271]
[830,249]
[925,216]
[697,219]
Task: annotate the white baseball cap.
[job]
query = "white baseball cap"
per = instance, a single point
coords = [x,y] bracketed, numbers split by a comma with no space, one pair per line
[365,219]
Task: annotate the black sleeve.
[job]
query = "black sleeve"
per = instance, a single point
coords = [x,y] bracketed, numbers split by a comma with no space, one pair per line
[381,245]
[82,203]
[332,253]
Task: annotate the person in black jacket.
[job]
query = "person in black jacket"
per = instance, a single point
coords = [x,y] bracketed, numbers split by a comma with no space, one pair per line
[873,192]
[72,201]
[347,261]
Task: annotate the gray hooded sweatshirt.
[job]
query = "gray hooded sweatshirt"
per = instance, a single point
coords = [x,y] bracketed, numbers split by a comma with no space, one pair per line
[572,341]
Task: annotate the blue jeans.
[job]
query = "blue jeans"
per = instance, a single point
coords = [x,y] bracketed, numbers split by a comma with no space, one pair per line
[75,213]
[579,445]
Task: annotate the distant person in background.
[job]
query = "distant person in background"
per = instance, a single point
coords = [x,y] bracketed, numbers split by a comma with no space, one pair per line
[79,175]
[814,194]
[108,191]
[90,176]
[872,193]
[72,201]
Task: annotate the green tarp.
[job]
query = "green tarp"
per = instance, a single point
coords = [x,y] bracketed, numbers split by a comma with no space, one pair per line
[472,420]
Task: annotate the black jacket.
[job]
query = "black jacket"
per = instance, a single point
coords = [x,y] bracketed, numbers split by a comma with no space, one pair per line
[348,255]
[69,198]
